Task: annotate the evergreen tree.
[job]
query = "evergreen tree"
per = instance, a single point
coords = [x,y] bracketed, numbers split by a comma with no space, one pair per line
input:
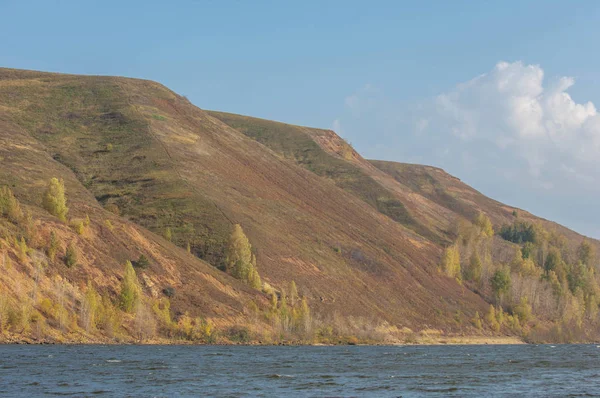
[71,255]
[500,282]
[54,200]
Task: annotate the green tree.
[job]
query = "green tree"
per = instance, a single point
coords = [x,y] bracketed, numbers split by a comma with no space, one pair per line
[553,260]
[9,205]
[71,255]
[53,246]
[473,271]
[54,200]
[130,289]
[500,282]
[586,253]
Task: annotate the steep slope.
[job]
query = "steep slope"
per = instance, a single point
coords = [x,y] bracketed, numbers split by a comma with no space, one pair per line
[362,240]
[103,246]
[166,163]
[531,266]
[451,193]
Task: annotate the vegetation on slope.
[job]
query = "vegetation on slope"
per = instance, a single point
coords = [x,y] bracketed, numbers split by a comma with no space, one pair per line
[337,229]
[293,143]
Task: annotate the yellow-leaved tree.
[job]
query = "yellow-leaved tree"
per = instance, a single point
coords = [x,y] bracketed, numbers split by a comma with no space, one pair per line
[54,200]
[130,289]
[240,262]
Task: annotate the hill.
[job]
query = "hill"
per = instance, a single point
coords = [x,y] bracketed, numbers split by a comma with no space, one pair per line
[364,243]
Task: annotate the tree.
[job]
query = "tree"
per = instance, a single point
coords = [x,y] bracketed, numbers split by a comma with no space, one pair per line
[130,289]
[240,262]
[485,225]
[492,320]
[477,321]
[54,200]
[71,255]
[553,260]
[586,253]
[9,205]
[144,322]
[89,308]
[168,234]
[451,261]
[53,246]
[293,293]
[500,282]
[142,262]
[473,271]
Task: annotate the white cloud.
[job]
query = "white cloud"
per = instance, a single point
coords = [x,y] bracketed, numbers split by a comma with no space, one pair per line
[512,132]
[513,108]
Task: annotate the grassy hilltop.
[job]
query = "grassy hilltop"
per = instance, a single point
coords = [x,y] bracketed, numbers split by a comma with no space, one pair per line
[202,226]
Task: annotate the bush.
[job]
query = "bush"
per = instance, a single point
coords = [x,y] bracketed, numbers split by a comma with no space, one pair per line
[169,291]
[238,334]
[142,262]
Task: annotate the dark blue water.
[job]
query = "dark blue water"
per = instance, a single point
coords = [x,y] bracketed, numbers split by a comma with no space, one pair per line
[170,371]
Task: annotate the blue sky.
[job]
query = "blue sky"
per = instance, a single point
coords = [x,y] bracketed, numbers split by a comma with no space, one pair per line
[475,87]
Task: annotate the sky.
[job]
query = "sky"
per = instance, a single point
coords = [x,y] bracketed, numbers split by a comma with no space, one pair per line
[501,94]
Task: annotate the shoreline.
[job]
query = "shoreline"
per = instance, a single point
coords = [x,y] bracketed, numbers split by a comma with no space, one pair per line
[456,340]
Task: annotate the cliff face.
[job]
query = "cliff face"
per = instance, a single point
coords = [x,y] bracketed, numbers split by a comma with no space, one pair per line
[360,239]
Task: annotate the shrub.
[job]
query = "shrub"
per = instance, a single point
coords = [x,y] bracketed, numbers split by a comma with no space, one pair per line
[142,262]
[113,208]
[169,291]
[78,226]
[238,334]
